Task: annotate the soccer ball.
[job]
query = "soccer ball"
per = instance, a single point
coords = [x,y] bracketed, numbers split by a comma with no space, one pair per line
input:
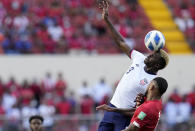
[154,40]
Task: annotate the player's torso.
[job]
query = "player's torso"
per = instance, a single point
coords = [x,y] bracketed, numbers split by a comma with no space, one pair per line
[133,82]
[153,111]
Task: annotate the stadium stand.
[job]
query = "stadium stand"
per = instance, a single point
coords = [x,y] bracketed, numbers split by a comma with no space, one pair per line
[183,13]
[75,25]
[162,20]
[55,27]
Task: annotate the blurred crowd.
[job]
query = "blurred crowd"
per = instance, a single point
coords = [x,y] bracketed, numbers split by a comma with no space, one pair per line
[179,111]
[184,16]
[75,26]
[49,98]
[66,26]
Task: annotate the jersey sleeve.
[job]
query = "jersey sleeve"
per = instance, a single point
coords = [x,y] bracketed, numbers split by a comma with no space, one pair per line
[136,55]
[142,118]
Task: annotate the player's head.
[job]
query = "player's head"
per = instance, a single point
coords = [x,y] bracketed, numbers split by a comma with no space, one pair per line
[157,87]
[157,60]
[36,123]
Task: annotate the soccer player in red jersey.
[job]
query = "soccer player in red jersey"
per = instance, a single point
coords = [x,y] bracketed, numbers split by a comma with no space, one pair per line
[147,115]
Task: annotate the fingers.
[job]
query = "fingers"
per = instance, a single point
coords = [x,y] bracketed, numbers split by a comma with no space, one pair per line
[101,107]
[103,4]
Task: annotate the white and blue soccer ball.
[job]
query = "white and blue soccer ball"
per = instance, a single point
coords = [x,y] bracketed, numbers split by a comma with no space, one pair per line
[154,40]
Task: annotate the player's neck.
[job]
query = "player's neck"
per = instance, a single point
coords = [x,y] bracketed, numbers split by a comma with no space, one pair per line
[150,70]
[150,98]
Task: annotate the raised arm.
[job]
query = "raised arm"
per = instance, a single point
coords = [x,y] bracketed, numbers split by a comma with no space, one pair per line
[127,112]
[103,4]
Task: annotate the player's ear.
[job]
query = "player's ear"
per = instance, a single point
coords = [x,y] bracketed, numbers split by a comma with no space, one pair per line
[152,87]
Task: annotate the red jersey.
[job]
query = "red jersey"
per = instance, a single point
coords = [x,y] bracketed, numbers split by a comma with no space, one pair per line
[147,115]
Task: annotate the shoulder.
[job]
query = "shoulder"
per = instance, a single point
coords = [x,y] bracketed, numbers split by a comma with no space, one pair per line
[134,54]
[147,107]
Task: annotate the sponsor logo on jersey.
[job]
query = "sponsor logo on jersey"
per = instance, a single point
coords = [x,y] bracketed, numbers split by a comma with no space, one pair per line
[143,82]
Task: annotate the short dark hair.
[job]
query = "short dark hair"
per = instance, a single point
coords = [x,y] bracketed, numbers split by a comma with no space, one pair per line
[36,117]
[161,84]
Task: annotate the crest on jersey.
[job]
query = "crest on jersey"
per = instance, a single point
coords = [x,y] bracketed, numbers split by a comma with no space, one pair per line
[143,82]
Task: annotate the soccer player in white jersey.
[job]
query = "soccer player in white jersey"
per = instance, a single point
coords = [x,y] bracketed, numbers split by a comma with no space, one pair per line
[134,81]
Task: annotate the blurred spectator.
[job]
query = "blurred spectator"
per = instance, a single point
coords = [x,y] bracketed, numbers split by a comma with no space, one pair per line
[20,22]
[184,109]
[2,113]
[23,45]
[73,102]
[26,93]
[60,85]
[62,46]
[13,87]
[86,108]
[63,106]
[102,90]
[48,82]
[8,100]
[37,91]
[13,114]
[191,99]
[184,21]
[171,114]
[27,110]
[1,88]
[47,110]
[175,96]
[55,31]
[86,105]
[2,13]
[84,90]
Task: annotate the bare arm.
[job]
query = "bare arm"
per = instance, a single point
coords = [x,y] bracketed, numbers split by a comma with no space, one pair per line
[127,112]
[103,4]
[131,127]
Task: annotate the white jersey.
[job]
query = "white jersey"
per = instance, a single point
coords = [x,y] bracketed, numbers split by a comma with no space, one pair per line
[133,82]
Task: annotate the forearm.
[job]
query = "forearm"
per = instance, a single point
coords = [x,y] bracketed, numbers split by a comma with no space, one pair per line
[117,37]
[127,112]
[115,34]
[120,41]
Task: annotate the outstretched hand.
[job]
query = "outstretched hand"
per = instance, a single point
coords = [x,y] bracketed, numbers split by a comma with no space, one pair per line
[139,100]
[104,107]
[104,5]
